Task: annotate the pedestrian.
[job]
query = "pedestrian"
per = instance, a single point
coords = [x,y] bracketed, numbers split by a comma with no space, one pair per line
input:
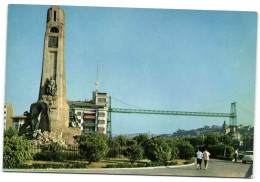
[236,155]
[206,155]
[199,158]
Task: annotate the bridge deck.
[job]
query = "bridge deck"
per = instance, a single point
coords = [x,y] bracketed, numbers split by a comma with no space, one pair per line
[182,113]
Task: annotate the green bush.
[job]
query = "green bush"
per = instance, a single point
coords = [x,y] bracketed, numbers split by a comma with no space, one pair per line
[114,147]
[122,165]
[10,133]
[174,153]
[148,164]
[218,150]
[134,153]
[189,161]
[93,146]
[154,164]
[16,152]
[186,150]
[50,152]
[53,166]
[158,150]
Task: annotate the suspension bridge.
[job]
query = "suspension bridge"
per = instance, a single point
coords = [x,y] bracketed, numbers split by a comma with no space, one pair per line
[232,115]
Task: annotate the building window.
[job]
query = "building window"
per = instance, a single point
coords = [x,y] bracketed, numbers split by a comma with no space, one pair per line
[101,114]
[101,121]
[54,17]
[101,129]
[101,99]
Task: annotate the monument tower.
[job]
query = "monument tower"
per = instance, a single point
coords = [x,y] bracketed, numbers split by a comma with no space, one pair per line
[49,116]
[53,81]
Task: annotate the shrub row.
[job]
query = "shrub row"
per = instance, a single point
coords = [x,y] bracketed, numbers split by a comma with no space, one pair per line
[148,164]
[51,166]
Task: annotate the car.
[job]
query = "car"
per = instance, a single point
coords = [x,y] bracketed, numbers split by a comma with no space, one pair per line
[248,157]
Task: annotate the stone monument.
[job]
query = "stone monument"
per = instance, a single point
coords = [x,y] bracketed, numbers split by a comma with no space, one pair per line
[49,116]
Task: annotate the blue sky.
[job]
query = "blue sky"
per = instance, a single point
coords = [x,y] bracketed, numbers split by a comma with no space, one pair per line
[178,60]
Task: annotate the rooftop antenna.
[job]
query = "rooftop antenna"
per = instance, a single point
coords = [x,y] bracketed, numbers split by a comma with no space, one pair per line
[97,80]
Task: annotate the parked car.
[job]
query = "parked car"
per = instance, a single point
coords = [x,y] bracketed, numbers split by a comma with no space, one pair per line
[248,157]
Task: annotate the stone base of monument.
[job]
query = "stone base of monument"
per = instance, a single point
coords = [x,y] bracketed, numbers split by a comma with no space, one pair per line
[63,137]
[68,135]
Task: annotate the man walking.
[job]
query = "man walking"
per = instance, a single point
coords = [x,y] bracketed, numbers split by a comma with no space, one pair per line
[199,158]
[236,155]
[206,155]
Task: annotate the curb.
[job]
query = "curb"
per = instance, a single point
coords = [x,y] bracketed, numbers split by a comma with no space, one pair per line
[37,170]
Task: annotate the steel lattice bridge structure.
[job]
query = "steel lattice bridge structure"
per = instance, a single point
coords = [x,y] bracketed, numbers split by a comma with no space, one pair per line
[232,115]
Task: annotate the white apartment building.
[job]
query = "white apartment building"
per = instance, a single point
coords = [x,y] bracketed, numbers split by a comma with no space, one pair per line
[91,115]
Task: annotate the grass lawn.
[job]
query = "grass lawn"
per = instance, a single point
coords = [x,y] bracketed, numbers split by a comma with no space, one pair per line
[103,163]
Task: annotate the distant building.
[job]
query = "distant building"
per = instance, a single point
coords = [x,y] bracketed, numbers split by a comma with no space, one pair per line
[241,135]
[8,114]
[91,115]
[18,121]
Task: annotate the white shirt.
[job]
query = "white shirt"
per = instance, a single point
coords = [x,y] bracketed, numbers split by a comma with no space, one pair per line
[236,152]
[199,155]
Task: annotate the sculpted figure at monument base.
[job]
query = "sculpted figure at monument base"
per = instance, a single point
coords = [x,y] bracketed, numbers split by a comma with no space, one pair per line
[37,126]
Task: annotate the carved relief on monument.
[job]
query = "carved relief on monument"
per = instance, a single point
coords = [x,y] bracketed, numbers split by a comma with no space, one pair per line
[53,41]
[51,87]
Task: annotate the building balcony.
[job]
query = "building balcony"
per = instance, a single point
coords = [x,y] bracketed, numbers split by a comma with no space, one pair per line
[89,117]
[89,124]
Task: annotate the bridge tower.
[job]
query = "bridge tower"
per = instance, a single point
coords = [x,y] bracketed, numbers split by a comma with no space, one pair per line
[233,113]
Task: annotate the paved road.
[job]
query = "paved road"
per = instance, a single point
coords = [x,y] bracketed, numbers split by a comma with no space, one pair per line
[216,168]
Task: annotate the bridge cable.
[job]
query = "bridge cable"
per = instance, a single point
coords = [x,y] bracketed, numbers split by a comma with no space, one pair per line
[125,103]
[249,114]
[245,108]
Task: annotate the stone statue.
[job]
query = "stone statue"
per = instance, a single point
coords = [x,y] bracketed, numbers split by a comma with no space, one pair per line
[36,122]
[31,125]
[37,133]
[75,122]
[51,87]
[26,127]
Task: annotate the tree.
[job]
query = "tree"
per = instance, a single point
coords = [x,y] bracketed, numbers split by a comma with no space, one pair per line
[16,152]
[93,146]
[142,141]
[114,147]
[186,151]
[158,150]
[248,142]
[134,153]
[227,141]
[196,142]
[212,139]
[122,140]
[174,148]
[131,142]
